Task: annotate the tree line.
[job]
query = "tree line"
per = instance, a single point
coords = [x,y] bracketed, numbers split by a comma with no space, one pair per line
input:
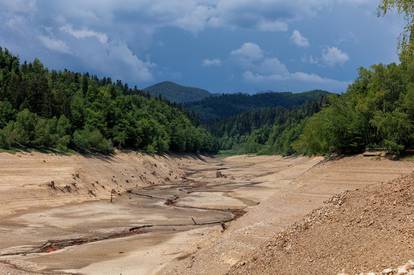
[265,131]
[64,110]
[376,111]
[220,107]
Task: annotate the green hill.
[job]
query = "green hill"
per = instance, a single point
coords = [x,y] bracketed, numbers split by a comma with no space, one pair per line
[176,93]
[216,108]
[63,110]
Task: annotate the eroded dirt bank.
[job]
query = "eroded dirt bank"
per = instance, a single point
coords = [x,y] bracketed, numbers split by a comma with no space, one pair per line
[296,195]
[168,214]
[34,180]
[365,231]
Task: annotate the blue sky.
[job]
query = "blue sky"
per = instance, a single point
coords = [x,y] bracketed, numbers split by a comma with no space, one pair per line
[219,45]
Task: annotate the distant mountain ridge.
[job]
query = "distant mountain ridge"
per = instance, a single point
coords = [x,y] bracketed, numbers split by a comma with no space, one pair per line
[218,107]
[177,93]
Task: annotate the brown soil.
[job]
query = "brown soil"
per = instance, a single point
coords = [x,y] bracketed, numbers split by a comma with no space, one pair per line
[367,230]
[35,180]
[296,195]
[137,214]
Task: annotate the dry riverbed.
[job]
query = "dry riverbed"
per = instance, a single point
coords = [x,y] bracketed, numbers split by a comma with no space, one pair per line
[136,214]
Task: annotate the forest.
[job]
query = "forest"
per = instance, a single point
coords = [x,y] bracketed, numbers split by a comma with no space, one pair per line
[376,112]
[62,110]
[219,107]
[265,131]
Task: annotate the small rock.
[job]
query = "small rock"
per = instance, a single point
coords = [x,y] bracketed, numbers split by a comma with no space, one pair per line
[402,271]
[52,185]
[219,174]
[67,188]
[409,265]
[387,271]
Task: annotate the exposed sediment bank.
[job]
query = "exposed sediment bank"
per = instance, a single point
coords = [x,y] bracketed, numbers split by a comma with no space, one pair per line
[136,214]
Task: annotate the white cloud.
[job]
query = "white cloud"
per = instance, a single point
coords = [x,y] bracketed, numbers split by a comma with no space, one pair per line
[18,6]
[310,59]
[261,78]
[46,28]
[272,65]
[54,44]
[16,23]
[191,15]
[215,62]
[314,78]
[333,56]
[272,26]
[196,20]
[248,52]
[109,23]
[85,33]
[261,69]
[124,64]
[299,40]
[114,59]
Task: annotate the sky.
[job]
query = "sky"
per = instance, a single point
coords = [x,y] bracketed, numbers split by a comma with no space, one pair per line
[220,45]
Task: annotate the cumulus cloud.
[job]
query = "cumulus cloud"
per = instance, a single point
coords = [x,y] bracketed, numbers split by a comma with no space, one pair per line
[85,33]
[272,26]
[333,56]
[215,62]
[192,15]
[100,34]
[272,66]
[248,52]
[123,63]
[299,40]
[48,30]
[264,69]
[54,44]
[18,6]
[314,78]
[310,59]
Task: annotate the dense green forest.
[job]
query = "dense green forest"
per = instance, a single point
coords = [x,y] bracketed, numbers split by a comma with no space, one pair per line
[216,108]
[265,131]
[176,93]
[61,110]
[265,123]
[376,112]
